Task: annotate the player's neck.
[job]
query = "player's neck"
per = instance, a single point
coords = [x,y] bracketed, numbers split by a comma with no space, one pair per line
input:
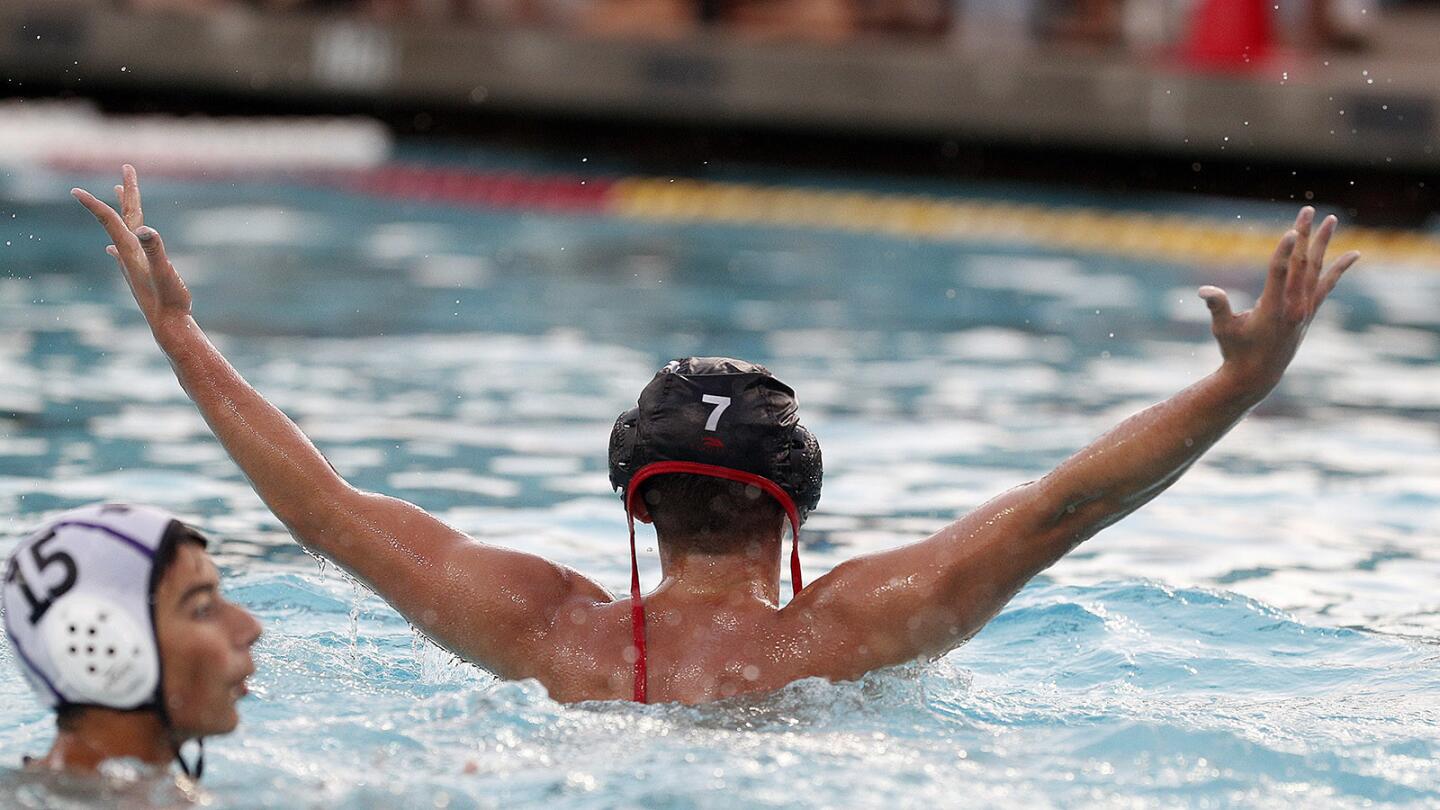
[750,574]
[100,734]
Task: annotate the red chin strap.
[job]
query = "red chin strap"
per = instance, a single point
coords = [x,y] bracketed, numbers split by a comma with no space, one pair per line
[637,602]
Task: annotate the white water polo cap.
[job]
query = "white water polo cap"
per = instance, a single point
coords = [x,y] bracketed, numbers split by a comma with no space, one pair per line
[77,599]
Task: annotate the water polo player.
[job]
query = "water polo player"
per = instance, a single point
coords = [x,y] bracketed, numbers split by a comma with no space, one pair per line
[714,456]
[115,617]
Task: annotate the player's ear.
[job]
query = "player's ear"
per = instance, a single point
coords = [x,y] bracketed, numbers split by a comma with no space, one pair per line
[642,511]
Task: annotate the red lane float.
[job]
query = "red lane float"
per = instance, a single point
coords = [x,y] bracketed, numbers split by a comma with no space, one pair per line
[505,190]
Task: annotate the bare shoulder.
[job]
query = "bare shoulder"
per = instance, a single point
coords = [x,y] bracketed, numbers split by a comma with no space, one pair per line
[846,597]
[583,655]
[830,626]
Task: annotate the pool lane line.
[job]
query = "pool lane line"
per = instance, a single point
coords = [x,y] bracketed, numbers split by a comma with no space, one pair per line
[1130,234]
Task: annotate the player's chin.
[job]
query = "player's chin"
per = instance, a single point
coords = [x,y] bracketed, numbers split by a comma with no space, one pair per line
[223,721]
[224,714]
[218,720]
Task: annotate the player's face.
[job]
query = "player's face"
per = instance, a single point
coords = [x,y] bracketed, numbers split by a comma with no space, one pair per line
[204,646]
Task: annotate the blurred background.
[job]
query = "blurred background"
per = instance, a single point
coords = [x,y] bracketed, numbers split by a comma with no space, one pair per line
[1274,100]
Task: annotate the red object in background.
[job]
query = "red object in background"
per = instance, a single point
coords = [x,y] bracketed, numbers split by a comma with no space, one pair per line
[1230,34]
[563,194]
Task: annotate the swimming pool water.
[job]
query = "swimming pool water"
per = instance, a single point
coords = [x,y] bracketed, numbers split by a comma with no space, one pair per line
[1263,634]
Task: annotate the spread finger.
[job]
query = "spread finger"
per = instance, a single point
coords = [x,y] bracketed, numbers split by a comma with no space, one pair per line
[134,215]
[1320,244]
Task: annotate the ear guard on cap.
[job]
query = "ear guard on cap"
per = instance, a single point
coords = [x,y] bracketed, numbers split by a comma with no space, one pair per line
[801,472]
[622,449]
[99,653]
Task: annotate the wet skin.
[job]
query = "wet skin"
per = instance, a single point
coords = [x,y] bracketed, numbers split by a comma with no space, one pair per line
[715,626]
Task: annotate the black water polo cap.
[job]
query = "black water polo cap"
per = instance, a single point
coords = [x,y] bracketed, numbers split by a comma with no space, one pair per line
[721,413]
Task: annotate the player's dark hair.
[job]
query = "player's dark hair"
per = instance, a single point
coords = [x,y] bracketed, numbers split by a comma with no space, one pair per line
[176,534]
[705,515]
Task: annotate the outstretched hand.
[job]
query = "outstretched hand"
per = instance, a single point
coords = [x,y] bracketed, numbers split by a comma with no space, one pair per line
[1258,344]
[138,249]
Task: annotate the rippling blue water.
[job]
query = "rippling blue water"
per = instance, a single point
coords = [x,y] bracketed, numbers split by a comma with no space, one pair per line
[1264,634]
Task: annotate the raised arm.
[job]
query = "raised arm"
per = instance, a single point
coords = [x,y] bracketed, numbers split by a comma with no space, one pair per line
[926,598]
[489,604]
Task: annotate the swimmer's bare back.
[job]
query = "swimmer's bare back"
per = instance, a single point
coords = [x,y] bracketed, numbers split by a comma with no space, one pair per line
[715,628]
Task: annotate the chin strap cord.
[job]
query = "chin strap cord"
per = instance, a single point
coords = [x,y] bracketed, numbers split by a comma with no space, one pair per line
[199,769]
[637,614]
[637,601]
